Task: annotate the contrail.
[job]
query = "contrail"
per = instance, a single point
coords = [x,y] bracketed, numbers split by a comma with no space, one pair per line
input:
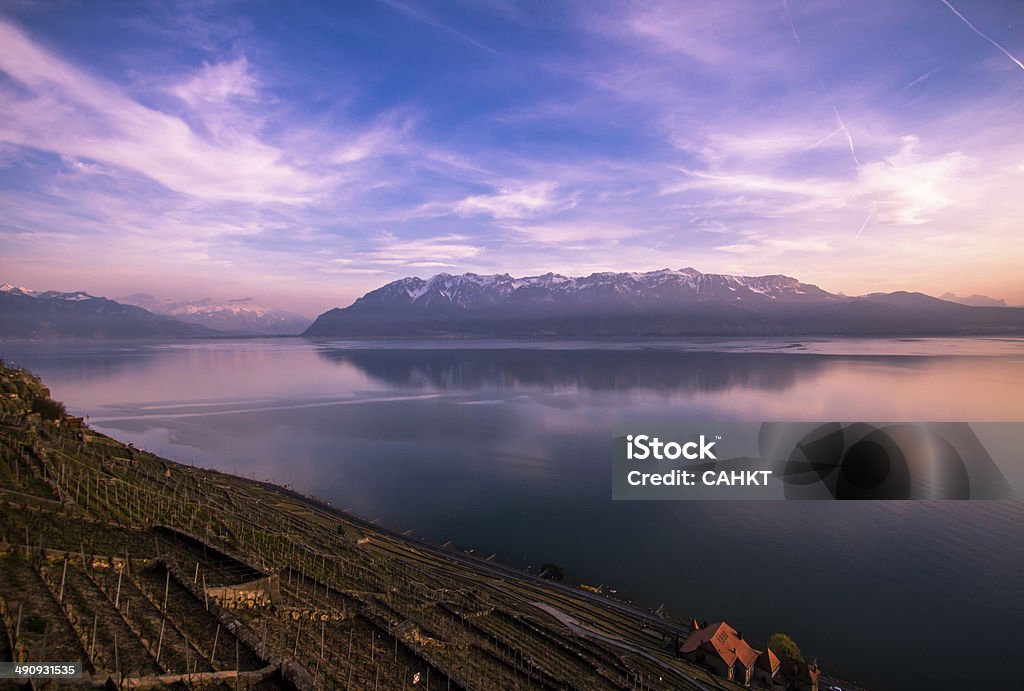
[863,225]
[846,131]
[424,17]
[975,30]
[792,26]
[922,78]
[824,139]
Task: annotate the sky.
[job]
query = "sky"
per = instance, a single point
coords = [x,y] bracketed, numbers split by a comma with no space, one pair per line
[305,153]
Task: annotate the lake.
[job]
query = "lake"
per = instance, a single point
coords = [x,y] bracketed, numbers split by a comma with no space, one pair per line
[504,448]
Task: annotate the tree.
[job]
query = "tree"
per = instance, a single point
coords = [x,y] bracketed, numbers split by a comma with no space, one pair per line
[552,572]
[781,644]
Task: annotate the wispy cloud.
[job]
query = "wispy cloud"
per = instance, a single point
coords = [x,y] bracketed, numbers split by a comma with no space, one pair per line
[513,202]
[909,189]
[218,83]
[577,233]
[903,188]
[381,139]
[346,147]
[53,105]
[438,252]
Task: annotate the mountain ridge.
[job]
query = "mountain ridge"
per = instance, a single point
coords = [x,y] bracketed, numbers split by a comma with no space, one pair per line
[470,290]
[26,313]
[237,316]
[662,303]
[974,300]
[666,302]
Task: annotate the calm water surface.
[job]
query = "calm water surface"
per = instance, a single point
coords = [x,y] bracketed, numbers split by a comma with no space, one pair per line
[504,448]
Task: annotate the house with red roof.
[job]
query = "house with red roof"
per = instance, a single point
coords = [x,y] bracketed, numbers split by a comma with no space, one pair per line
[723,650]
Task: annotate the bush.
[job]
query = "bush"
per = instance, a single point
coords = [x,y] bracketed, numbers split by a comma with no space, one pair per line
[552,572]
[49,408]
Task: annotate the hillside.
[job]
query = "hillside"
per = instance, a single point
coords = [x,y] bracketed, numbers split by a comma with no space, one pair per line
[29,314]
[169,575]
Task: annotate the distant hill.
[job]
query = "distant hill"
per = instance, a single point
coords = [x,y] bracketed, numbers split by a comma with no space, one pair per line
[241,316]
[668,302]
[973,300]
[26,313]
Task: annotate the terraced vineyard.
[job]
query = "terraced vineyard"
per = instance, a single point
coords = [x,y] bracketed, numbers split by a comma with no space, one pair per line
[154,574]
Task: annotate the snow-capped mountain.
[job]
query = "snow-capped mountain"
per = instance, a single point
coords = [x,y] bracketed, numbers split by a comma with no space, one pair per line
[654,303]
[472,291]
[76,296]
[17,290]
[243,315]
[26,313]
